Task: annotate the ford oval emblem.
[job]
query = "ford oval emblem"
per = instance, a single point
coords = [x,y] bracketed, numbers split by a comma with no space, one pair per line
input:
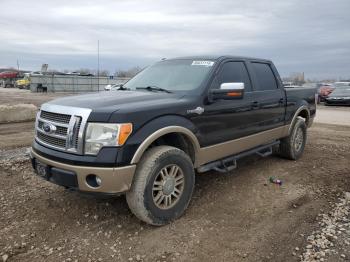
[49,128]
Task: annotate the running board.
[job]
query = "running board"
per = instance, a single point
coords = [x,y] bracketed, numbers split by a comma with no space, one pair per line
[228,164]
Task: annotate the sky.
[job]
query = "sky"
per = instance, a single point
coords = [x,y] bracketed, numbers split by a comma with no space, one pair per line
[311,36]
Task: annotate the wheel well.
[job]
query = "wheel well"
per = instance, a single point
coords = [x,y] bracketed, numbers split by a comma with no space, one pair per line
[177,140]
[305,115]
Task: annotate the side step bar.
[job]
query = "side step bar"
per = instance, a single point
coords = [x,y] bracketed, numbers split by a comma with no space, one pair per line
[228,164]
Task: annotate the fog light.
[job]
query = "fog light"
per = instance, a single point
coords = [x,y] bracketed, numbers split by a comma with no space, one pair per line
[98,180]
[93,181]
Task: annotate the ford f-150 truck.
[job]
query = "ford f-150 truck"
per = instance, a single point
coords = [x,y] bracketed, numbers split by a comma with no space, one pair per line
[174,119]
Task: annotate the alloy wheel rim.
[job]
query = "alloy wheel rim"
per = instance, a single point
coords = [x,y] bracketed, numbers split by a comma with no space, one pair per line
[299,138]
[168,186]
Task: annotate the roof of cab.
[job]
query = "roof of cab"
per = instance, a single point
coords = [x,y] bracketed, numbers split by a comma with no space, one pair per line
[219,57]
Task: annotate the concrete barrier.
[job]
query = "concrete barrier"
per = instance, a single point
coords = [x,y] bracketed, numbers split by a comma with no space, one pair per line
[17,113]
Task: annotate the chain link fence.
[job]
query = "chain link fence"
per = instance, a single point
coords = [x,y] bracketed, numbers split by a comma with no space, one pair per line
[71,83]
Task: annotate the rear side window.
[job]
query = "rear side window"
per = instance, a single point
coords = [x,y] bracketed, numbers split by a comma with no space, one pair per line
[234,72]
[265,77]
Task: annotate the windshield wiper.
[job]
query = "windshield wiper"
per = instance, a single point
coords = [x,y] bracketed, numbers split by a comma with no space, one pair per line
[121,87]
[154,88]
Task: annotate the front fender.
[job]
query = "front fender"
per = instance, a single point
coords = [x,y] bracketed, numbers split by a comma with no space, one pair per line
[138,143]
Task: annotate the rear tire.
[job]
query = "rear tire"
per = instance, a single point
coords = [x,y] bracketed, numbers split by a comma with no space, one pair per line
[162,186]
[292,147]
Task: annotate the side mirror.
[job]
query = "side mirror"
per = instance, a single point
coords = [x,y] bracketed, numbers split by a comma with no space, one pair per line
[227,91]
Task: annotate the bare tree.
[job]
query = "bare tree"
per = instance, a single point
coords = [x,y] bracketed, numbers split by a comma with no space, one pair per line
[295,78]
[84,71]
[104,73]
[129,72]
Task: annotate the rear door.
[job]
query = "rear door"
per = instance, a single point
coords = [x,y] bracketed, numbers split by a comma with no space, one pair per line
[268,96]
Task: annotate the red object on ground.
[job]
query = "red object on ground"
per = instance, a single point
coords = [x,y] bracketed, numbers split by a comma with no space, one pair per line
[9,74]
[326,90]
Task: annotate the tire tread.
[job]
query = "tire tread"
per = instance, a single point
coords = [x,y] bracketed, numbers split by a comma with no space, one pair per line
[135,197]
[286,149]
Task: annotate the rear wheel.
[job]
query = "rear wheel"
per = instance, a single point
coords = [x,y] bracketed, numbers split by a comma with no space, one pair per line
[163,185]
[292,147]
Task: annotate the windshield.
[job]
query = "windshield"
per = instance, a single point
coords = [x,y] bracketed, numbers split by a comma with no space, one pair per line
[341,91]
[173,75]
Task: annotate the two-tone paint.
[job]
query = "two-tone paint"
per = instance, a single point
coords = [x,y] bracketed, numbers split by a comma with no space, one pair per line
[213,130]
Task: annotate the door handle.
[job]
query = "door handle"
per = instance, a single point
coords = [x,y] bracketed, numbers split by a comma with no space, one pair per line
[281,101]
[255,105]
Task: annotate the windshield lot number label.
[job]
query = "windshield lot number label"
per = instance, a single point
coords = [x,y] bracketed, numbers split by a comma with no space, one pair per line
[202,63]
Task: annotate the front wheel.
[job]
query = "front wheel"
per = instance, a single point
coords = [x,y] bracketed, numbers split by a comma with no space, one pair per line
[163,185]
[292,147]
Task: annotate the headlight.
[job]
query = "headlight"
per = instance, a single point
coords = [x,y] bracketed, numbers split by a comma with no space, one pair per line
[99,135]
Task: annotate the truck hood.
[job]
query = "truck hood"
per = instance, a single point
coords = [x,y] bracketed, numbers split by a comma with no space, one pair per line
[106,102]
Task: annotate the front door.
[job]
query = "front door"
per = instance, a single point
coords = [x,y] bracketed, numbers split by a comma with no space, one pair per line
[225,120]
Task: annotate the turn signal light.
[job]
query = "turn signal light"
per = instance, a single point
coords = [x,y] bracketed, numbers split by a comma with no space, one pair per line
[125,131]
[234,94]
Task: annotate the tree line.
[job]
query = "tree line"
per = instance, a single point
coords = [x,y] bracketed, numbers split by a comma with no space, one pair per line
[118,73]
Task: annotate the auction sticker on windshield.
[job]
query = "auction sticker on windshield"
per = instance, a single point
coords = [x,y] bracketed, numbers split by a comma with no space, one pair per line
[202,63]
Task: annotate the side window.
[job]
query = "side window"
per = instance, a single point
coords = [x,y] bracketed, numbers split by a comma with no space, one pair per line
[234,72]
[265,77]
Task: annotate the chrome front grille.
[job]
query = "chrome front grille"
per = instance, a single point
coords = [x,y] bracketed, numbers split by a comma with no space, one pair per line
[61,127]
[76,134]
[59,118]
[54,141]
[61,130]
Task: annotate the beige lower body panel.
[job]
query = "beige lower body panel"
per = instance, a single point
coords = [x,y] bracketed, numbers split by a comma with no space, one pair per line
[119,179]
[222,150]
[114,179]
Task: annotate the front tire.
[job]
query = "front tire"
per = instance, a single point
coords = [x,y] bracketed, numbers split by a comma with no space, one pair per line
[163,185]
[292,147]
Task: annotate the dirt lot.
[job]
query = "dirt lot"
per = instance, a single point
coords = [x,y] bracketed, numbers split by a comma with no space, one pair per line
[21,134]
[238,216]
[333,115]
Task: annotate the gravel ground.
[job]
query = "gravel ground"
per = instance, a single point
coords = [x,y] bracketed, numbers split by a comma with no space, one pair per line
[331,240]
[238,216]
[15,135]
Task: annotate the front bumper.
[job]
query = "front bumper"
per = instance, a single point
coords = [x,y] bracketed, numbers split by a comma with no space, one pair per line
[114,180]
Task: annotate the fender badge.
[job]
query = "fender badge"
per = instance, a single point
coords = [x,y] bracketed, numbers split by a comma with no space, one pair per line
[199,110]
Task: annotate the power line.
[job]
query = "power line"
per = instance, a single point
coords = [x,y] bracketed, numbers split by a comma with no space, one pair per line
[98,65]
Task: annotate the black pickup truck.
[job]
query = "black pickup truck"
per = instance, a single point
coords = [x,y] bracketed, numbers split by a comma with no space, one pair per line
[174,119]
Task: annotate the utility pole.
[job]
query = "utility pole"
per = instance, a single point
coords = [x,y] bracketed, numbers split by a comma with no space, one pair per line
[98,65]
[17,65]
